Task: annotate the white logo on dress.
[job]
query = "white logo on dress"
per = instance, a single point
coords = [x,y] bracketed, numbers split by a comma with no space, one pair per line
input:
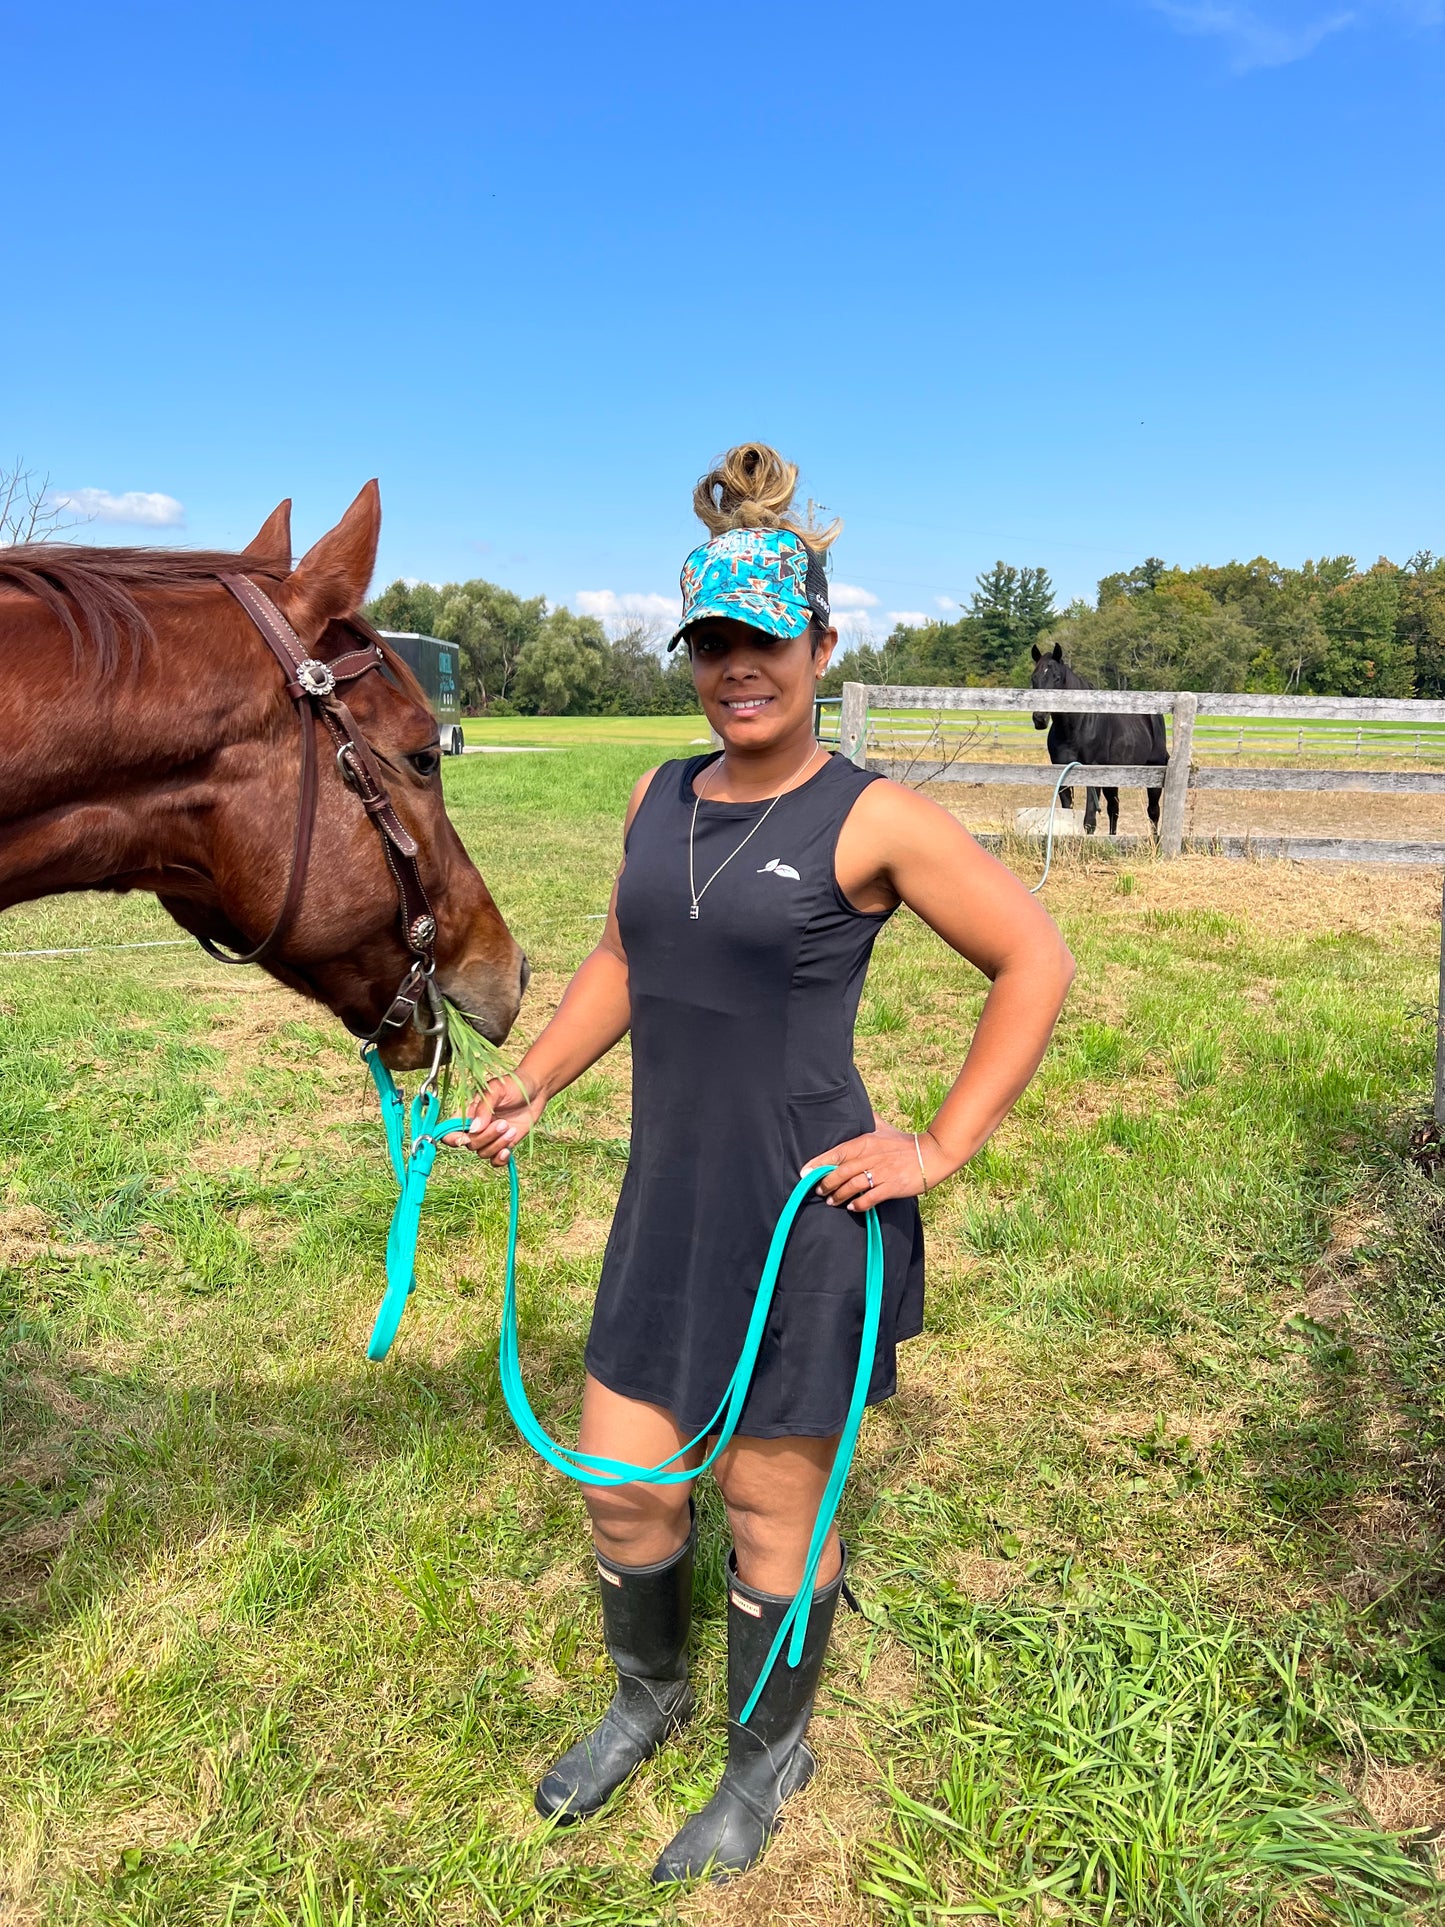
[780,869]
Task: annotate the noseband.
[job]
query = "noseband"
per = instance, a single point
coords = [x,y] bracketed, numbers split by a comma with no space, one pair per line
[312,685]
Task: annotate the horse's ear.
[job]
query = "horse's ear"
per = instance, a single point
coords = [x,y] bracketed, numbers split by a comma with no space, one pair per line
[1037,655]
[1058,652]
[331,579]
[272,541]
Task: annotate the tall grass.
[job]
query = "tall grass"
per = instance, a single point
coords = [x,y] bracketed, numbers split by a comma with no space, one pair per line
[1123,1762]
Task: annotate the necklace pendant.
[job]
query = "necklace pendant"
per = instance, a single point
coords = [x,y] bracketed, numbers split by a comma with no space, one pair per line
[693,913]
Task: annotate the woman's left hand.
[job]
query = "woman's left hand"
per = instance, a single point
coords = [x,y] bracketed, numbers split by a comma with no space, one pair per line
[884,1163]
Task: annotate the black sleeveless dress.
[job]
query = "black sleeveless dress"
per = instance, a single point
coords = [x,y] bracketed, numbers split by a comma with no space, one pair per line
[742,1069]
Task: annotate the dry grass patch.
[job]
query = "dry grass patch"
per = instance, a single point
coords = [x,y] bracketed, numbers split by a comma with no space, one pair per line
[992,808]
[1403,1799]
[1301,899]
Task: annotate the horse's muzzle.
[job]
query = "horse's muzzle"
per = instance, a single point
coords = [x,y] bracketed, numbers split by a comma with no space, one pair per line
[1040,721]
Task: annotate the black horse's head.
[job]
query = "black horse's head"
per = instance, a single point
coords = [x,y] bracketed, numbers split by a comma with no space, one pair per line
[1050,672]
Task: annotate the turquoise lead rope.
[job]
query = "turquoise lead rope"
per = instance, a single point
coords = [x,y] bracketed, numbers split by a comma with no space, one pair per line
[413,1168]
[411,1162]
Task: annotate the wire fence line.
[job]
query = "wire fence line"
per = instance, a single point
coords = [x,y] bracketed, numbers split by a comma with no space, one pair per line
[91,949]
[189,943]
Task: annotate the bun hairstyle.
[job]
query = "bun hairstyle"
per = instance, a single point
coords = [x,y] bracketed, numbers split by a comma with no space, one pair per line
[752,487]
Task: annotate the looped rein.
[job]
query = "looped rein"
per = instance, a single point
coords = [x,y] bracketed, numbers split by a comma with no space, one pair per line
[412,1167]
[413,1152]
[312,685]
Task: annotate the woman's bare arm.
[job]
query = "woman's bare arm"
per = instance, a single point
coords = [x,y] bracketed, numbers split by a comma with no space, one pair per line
[898,847]
[594,1014]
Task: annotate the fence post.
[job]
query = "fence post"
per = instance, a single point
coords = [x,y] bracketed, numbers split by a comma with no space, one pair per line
[853,723]
[1440,1027]
[1176,777]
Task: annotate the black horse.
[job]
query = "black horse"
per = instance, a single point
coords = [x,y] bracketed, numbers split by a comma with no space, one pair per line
[1096,739]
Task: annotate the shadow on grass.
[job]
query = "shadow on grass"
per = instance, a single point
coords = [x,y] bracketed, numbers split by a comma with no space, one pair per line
[101,1472]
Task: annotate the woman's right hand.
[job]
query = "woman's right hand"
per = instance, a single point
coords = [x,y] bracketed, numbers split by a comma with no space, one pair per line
[501,1117]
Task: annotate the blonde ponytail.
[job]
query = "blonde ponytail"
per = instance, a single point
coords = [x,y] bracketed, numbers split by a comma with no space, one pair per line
[752,487]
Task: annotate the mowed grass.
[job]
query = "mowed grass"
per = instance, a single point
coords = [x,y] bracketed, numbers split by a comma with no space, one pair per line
[670,735]
[1151,1630]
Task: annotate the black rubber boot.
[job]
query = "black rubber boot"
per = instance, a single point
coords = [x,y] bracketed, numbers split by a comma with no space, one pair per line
[767,1759]
[646,1616]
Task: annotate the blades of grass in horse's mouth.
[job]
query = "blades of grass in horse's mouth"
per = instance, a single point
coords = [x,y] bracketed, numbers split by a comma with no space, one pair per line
[474,1059]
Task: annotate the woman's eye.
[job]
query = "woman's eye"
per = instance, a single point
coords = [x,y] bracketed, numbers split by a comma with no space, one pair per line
[426,762]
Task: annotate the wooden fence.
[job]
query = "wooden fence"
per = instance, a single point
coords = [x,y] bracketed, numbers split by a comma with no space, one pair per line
[1183,708]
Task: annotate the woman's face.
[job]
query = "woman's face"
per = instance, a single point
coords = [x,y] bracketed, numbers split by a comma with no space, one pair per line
[754,689]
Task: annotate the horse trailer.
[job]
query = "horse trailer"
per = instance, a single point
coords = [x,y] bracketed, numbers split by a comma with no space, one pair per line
[437,667]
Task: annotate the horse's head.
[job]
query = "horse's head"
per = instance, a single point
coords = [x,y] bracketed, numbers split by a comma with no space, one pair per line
[1050,672]
[344,945]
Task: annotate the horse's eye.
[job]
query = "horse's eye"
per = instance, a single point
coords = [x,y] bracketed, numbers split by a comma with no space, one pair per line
[426,762]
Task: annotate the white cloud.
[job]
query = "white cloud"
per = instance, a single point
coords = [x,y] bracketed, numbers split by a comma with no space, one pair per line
[944,602]
[1254,41]
[853,626]
[909,618]
[621,611]
[845,595]
[134,507]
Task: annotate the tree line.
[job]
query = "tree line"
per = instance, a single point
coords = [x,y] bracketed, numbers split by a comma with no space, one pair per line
[1328,628]
[520,658]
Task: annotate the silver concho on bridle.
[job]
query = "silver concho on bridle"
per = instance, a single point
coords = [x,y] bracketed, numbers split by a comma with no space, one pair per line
[315,677]
[422,932]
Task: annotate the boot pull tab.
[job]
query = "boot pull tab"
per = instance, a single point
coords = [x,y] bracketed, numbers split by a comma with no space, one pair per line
[848,1599]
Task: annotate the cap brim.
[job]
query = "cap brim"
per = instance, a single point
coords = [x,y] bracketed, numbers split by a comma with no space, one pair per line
[778,621]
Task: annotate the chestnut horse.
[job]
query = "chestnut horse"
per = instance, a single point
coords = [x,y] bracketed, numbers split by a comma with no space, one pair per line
[147,742]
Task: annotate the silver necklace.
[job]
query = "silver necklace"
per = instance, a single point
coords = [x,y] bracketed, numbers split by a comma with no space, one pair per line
[698,895]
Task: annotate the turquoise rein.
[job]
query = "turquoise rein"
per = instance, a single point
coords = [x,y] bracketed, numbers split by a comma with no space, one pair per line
[412,1172]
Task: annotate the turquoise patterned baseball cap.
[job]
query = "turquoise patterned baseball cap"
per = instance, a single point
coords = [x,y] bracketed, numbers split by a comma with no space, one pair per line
[767,578]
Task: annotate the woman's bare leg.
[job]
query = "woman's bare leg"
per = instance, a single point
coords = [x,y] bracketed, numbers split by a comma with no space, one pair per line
[644,1579]
[634,1525]
[772,1489]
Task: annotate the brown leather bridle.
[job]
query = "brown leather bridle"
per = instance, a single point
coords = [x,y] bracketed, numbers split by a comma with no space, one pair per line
[312,685]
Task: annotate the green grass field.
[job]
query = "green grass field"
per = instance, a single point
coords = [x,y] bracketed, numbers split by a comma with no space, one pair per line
[1147,1545]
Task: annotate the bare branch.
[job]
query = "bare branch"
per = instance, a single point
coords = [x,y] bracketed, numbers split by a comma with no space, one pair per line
[29,511]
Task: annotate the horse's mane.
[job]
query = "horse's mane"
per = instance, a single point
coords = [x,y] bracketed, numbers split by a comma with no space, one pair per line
[93,592]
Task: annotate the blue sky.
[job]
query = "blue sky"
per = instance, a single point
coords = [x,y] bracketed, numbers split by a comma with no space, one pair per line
[1066,284]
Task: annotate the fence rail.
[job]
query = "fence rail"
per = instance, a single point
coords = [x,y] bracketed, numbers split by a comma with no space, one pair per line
[1135,776]
[1294,849]
[1150,702]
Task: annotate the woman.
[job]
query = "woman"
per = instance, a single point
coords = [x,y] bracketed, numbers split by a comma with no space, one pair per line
[753,886]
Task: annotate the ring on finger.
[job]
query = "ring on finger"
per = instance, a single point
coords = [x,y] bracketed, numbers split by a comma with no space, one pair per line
[869,1176]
